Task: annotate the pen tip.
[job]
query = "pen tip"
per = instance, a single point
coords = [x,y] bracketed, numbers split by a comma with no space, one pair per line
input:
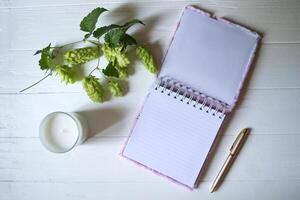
[212,190]
[246,130]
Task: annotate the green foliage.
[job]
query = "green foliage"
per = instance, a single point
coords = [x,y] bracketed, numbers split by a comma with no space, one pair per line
[115,32]
[45,61]
[88,23]
[93,88]
[122,71]
[115,55]
[146,58]
[113,37]
[110,71]
[66,74]
[115,88]
[114,48]
[104,29]
[117,36]
[127,40]
[132,22]
[81,55]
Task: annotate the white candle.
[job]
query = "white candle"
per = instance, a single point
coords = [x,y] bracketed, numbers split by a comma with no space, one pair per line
[60,131]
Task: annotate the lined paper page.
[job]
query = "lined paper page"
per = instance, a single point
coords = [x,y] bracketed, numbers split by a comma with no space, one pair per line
[172,137]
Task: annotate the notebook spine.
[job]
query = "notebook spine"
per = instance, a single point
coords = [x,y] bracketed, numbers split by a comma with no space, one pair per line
[190,96]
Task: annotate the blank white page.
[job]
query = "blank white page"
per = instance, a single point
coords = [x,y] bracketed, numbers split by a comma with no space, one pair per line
[211,56]
[172,137]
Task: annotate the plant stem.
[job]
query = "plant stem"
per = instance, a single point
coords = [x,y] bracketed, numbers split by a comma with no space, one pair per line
[98,62]
[94,42]
[62,46]
[94,70]
[90,41]
[36,82]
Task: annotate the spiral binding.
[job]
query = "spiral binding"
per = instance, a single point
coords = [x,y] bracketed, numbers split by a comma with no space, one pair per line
[189,96]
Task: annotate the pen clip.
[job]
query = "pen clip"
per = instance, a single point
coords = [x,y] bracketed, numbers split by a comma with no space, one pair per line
[237,140]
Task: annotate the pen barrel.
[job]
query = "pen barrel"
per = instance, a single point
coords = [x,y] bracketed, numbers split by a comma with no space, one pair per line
[234,150]
[222,173]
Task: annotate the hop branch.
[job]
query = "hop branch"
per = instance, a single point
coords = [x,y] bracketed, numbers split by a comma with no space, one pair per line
[112,41]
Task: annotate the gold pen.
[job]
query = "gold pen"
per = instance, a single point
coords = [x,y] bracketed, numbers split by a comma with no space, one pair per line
[234,150]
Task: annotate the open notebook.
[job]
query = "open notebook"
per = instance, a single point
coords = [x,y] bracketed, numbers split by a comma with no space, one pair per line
[200,79]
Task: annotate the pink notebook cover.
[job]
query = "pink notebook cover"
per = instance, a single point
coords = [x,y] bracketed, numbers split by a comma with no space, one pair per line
[205,65]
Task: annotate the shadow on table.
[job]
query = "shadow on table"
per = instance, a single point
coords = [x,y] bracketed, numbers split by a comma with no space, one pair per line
[100,119]
[142,34]
[104,117]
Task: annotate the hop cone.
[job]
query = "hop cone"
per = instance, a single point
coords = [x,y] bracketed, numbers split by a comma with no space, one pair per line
[93,88]
[66,74]
[115,55]
[146,58]
[115,88]
[122,72]
[81,55]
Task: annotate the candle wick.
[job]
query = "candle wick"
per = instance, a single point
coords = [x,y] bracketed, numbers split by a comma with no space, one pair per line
[64,131]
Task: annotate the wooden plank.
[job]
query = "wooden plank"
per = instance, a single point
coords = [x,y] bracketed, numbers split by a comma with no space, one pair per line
[265,111]
[5,191]
[161,19]
[116,116]
[222,3]
[99,161]
[247,190]
[273,64]
[4,35]
[280,60]
[4,4]
[22,67]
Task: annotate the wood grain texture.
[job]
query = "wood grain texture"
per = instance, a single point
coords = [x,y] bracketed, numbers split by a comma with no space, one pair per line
[248,190]
[277,66]
[269,164]
[258,109]
[81,165]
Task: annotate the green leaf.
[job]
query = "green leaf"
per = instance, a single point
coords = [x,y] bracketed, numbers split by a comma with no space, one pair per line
[44,62]
[146,58]
[115,88]
[128,40]
[132,22]
[110,71]
[89,22]
[102,30]
[46,56]
[117,35]
[66,74]
[38,52]
[113,36]
[86,36]
[93,88]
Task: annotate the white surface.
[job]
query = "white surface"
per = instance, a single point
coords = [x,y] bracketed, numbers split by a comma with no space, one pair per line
[267,168]
[172,137]
[210,55]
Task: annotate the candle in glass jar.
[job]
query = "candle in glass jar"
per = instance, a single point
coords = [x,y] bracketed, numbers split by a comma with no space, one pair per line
[60,131]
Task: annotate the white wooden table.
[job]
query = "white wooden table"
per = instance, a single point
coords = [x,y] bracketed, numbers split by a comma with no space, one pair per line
[267,168]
